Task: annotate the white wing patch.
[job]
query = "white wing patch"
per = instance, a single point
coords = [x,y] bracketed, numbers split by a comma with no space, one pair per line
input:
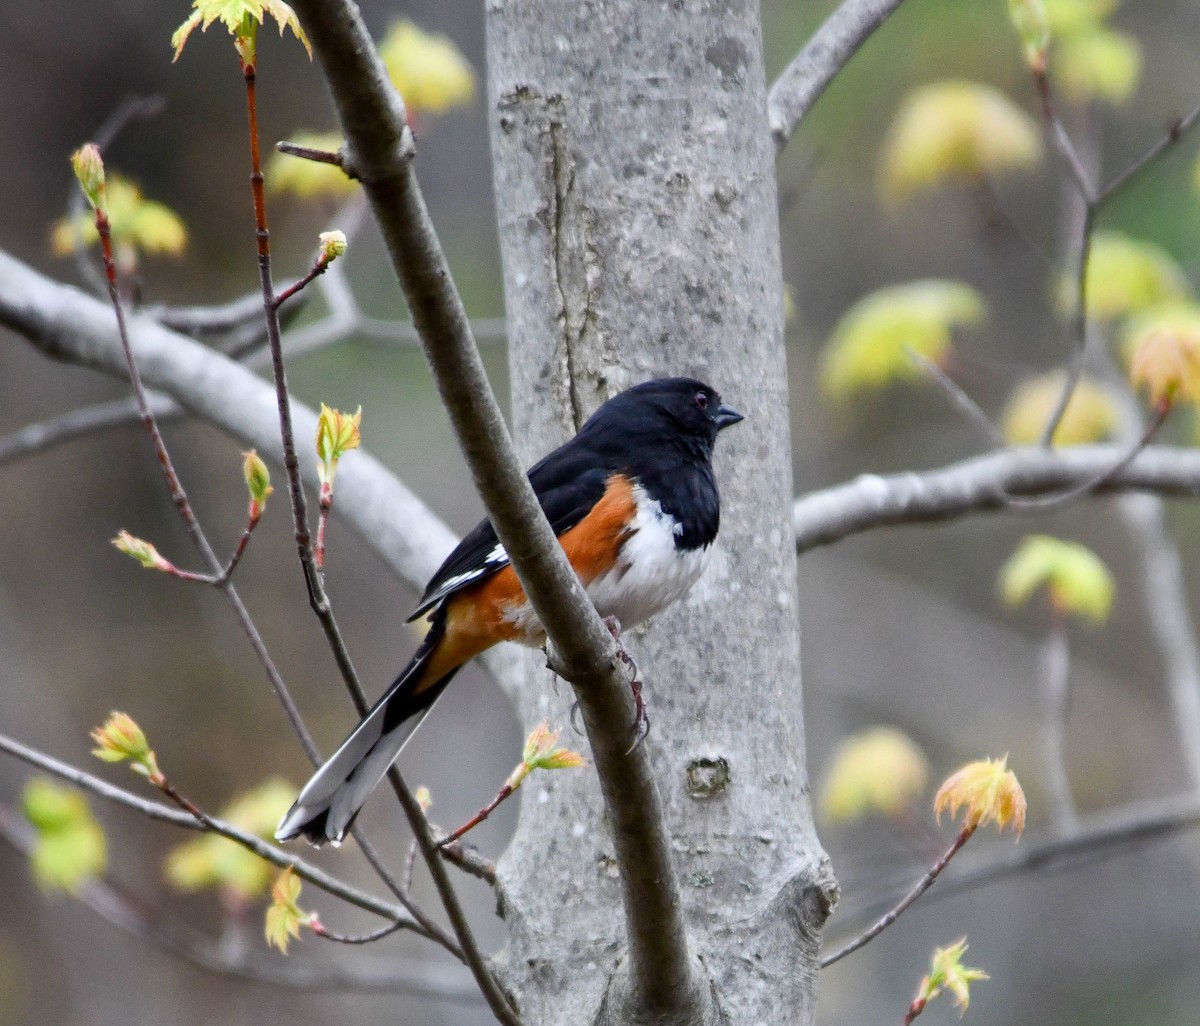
[494,560]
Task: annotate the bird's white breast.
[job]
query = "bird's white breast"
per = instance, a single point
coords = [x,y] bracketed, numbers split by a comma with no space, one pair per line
[650,572]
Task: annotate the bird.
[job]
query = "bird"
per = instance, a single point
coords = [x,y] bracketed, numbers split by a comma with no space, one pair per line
[633,501]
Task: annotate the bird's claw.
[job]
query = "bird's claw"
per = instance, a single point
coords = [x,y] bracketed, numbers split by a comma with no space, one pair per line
[641,722]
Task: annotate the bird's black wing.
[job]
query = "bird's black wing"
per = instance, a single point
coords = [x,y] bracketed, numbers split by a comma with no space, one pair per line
[568,483]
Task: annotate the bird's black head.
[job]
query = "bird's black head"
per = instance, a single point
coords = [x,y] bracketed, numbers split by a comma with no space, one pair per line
[667,408]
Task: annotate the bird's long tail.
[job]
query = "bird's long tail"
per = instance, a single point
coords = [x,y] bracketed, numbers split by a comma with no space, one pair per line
[328,803]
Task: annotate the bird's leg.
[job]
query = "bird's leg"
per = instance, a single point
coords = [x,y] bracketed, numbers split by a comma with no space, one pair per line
[641,722]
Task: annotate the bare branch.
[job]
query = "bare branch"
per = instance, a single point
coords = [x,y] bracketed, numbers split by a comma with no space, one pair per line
[81,423]
[1176,132]
[124,909]
[68,325]
[379,146]
[823,56]
[983,484]
[1054,668]
[177,817]
[1169,619]
[928,879]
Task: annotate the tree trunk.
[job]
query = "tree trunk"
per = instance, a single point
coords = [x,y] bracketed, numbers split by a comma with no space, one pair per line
[635,183]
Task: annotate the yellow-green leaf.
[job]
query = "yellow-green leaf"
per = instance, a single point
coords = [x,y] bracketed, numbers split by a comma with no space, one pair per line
[1098,65]
[284,916]
[88,166]
[956,130]
[337,434]
[1076,580]
[1030,20]
[120,739]
[947,972]
[1167,362]
[1069,17]
[308,178]
[240,18]
[987,791]
[429,71]
[1126,275]
[1162,347]
[257,477]
[871,344]
[70,846]
[136,223]
[880,770]
[212,861]
[542,751]
[1090,416]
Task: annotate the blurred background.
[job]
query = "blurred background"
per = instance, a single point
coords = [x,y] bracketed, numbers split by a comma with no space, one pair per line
[899,626]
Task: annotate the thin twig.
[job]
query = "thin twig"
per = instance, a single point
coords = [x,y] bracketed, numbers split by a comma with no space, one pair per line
[1061,139]
[1040,505]
[177,817]
[179,495]
[1169,619]
[124,909]
[962,402]
[919,888]
[1177,131]
[1098,835]
[1078,329]
[317,597]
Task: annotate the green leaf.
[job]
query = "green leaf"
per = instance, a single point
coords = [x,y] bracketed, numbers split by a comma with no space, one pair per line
[1070,17]
[1098,65]
[1126,275]
[1090,416]
[284,916]
[1076,581]
[955,131]
[881,770]
[136,223]
[871,344]
[212,861]
[428,70]
[71,847]
[241,19]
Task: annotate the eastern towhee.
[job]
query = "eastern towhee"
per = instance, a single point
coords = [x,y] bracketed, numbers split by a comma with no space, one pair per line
[634,503]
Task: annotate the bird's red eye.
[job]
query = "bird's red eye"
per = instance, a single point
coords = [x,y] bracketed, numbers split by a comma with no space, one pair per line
[701,399]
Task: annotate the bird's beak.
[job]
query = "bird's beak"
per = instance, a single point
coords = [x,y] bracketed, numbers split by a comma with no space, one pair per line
[726,415]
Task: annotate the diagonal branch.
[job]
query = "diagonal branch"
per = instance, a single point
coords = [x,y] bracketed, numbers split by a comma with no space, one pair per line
[124,909]
[823,56]
[68,325]
[1099,835]
[662,979]
[177,817]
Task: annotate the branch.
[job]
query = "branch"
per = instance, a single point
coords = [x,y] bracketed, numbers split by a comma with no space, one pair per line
[125,910]
[1145,821]
[68,325]
[1169,620]
[823,56]
[983,484]
[177,817]
[379,148]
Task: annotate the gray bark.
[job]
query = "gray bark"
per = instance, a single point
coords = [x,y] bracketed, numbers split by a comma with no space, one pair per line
[638,220]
